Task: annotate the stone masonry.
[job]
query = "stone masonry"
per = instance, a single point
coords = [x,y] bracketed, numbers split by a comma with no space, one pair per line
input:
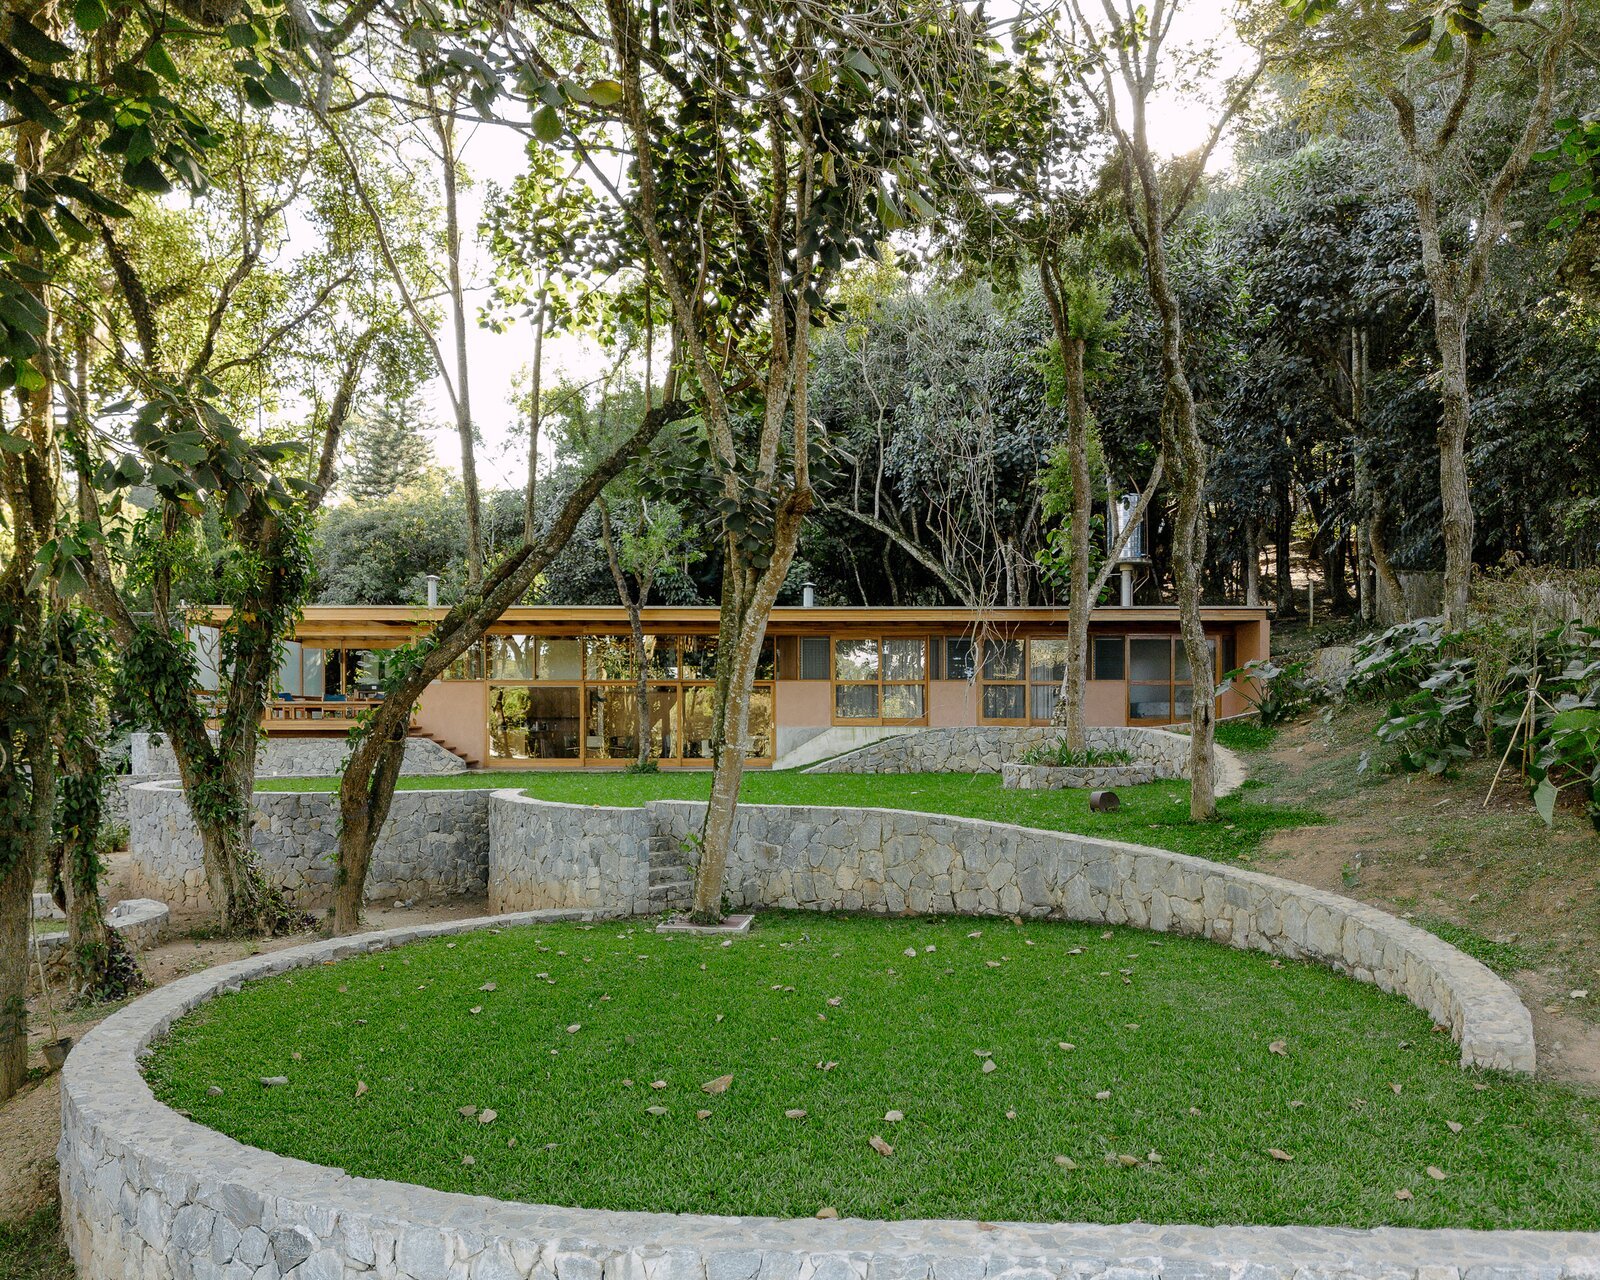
[435,844]
[891,861]
[1056,777]
[149,1195]
[289,757]
[987,748]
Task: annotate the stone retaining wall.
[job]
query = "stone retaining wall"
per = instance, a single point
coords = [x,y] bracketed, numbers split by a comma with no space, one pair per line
[1056,777]
[294,757]
[561,855]
[892,861]
[149,1194]
[435,844]
[139,921]
[985,748]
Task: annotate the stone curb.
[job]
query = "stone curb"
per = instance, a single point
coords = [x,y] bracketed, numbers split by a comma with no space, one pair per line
[139,921]
[147,1193]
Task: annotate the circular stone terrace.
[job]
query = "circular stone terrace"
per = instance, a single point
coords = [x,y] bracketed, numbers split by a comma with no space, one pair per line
[149,1193]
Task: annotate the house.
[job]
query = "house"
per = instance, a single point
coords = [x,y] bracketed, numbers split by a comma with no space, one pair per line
[554,686]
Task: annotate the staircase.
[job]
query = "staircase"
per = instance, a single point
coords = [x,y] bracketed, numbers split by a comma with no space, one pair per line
[671,881]
[451,747]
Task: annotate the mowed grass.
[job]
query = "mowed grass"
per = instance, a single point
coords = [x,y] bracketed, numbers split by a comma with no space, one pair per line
[848,1018]
[1154,814]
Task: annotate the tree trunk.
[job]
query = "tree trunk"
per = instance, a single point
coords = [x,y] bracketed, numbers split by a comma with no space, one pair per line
[1252,563]
[77,858]
[641,659]
[1455,493]
[444,124]
[16,893]
[1283,554]
[1079,603]
[1391,596]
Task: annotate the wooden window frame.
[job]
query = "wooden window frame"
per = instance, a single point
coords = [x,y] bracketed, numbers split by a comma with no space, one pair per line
[879,683]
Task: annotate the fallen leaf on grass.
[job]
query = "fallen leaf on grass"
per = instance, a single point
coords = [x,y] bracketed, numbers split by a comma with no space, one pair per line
[880,1146]
[574,1028]
[1455,1126]
[894,1117]
[1436,1173]
[1066,1162]
[467,1111]
[702,1115]
[827,1211]
[1403,1194]
[1279,1047]
[1127,1162]
[656,1111]
[1278,1153]
[468,1161]
[488,1115]
[1395,1087]
[489,986]
[909,951]
[835,1001]
[1063,1044]
[719,1085]
[988,1065]
[795,1113]
[658,1084]
[477,1008]
[361,1087]
[1102,1095]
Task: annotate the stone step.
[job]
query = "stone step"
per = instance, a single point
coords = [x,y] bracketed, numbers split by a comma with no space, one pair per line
[666,876]
[664,844]
[667,897]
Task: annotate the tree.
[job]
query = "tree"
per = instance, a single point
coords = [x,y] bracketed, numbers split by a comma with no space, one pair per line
[1460,225]
[386,451]
[1120,72]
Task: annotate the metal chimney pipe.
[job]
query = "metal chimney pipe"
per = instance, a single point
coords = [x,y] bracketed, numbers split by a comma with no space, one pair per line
[433,591]
[808,595]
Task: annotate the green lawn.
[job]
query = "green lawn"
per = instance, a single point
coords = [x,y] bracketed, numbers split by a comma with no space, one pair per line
[583,1019]
[1156,814]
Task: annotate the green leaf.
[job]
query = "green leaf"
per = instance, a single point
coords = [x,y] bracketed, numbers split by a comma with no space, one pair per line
[241,35]
[14,444]
[606,93]
[160,61]
[88,14]
[146,176]
[33,43]
[1418,36]
[547,124]
[1544,800]
[278,84]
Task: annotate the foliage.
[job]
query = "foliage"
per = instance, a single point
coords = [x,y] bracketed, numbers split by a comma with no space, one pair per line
[386,451]
[1060,755]
[1278,691]
[1578,183]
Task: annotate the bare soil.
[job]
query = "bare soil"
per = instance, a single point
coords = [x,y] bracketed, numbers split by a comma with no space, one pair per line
[1491,878]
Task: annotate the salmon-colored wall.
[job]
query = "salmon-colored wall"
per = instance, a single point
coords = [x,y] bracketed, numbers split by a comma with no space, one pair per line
[1105,702]
[1254,644]
[457,713]
[804,704]
[952,702]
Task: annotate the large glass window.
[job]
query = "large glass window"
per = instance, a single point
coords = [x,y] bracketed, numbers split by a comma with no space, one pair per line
[699,658]
[532,722]
[880,680]
[1110,658]
[1005,691]
[612,731]
[1159,688]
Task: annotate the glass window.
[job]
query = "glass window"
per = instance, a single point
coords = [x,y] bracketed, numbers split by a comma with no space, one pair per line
[958,659]
[612,731]
[511,657]
[905,659]
[369,667]
[1042,701]
[1150,658]
[813,657]
[311,672]
[1150,701]
[1110,658]
[288,678]
[767,660]
[609,657]
[699,658]
[1047,660]
[901,701]
[556,659]
[1002,659]
[469,666]
[855,659]
[1004,702]
[761,724]
[855,701]
[1230,653]
[530,723]
[661,656]
[697,721]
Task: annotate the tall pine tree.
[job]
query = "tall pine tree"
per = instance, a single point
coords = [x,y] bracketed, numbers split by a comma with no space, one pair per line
[386,450]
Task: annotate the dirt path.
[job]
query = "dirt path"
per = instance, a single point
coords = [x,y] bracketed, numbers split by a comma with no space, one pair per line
[1491,879]
[30,1123]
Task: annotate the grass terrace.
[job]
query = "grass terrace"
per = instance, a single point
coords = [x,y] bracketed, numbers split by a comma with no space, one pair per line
[1046,1072]
[1154,814]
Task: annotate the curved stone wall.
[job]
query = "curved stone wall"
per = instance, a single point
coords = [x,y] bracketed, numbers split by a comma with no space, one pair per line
[1057,777]
[435,844]
[147,1193]
[891,861]
[150,756]
[562,855]
[985,748]
[140,922]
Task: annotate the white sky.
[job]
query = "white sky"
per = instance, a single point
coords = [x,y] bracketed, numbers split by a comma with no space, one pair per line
[1178,124]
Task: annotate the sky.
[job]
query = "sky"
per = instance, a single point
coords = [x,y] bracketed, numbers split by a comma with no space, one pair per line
[1178,124]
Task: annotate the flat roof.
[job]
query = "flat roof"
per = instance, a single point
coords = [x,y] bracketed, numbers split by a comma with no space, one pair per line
[394,622]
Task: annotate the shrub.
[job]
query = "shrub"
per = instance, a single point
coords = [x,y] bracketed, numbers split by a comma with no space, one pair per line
[1278,693]
[1062,756]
